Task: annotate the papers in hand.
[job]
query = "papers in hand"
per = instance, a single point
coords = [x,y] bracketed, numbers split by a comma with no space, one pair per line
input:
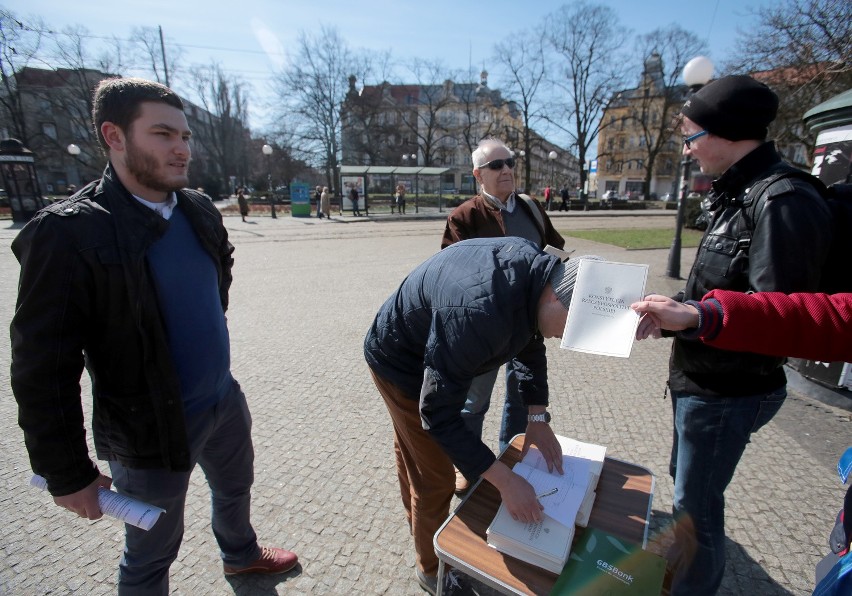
[130,511]
[600,320]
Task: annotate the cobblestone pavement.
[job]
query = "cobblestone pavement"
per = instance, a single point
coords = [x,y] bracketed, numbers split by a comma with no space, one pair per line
[304,294]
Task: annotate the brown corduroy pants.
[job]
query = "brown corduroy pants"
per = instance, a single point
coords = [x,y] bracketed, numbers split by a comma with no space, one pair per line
[426,477]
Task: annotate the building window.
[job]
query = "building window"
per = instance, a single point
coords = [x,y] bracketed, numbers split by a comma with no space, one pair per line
[48,129]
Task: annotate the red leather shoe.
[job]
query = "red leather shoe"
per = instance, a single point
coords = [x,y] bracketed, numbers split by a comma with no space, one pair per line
[272,560]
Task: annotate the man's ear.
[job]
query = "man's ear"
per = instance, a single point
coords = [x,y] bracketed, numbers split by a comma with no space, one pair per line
[477,176]
[114,136]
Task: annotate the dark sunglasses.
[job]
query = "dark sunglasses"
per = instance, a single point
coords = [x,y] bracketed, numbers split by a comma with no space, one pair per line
[497,164]
[688,140]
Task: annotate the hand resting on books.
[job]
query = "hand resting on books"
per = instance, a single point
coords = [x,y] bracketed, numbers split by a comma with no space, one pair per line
[541,435]
[517,494]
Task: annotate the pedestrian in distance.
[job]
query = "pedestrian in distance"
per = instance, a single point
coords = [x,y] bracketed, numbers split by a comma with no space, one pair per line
[721,398]
[318,200]
[325,203]
[353,196]
[399,197]
[242,203]
[464,311]
[564,205]
[498,210]
[145,314]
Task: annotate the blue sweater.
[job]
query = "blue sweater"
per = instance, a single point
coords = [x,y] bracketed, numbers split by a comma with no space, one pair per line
[188,293]
[465,311]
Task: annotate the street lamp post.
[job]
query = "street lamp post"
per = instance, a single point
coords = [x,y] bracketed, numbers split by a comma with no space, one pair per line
[73,151]
[413,158]
[552,157]
[520,155]
[696,74]
[267,151]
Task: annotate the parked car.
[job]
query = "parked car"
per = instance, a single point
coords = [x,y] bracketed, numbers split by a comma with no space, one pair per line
[610,195]
[668,197]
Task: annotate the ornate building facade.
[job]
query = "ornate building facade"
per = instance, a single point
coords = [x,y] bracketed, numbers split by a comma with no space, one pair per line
[441,125]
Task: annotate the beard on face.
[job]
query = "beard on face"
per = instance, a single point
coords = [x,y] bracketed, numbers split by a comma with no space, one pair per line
[145,168]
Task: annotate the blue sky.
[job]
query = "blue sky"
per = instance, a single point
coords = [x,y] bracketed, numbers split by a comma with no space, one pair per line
[252,37]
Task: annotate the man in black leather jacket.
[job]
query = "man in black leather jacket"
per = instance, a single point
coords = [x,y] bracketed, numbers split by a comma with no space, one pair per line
[720,398]
[130,278]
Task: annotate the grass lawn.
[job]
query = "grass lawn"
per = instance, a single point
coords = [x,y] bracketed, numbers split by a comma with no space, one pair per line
[638,239]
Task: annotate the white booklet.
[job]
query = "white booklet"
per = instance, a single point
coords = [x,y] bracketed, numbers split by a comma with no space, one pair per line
[569,501]
[126,509]
[600,320]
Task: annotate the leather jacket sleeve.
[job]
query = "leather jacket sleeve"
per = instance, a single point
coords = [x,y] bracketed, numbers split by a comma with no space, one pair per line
[48,332]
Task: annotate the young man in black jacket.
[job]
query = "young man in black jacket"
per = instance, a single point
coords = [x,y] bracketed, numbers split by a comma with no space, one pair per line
[130,277]
[720,398]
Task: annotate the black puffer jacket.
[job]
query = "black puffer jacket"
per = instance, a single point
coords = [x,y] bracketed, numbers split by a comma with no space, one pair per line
[787,249]
[85,291]
[463,312]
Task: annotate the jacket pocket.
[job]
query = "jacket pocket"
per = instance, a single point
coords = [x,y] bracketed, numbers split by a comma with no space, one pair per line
[724,261]
[127,426]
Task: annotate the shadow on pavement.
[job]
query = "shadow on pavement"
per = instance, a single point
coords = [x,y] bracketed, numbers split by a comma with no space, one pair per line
[255,584]
[743,575]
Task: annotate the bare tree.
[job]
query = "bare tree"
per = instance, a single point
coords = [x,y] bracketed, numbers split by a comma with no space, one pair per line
[427,117]
[588,67]
[368,120]
[222,131]
[803,50]
[148,53]
[20,43]
[311,90]
[522,57]
[59,102]
[661,95]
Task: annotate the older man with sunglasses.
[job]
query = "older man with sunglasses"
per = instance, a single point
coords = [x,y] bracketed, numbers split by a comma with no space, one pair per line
[775,241]
[497,211]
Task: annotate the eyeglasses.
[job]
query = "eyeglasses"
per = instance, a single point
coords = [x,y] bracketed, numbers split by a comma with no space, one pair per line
[497,164]
[688,140]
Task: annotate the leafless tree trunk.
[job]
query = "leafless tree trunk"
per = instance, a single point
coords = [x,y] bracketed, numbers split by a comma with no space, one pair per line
[311,90]
[225,136]
[655,109]
[588,68]
[522,57]
[432,95]
[803,50]
[20,43]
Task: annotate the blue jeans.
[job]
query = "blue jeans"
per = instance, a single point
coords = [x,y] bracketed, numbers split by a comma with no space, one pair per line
[479,399]
[710,436]
[220,442]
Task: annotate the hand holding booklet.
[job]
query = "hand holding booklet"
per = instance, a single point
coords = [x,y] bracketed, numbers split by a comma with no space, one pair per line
[600,320]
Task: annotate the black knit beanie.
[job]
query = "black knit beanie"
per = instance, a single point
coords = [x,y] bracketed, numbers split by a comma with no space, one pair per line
[734,108]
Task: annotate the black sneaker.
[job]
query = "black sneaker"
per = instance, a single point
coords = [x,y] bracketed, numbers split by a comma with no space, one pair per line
[429,583]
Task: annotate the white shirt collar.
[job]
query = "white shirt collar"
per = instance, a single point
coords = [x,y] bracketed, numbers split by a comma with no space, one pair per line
[508,206]
[166,208]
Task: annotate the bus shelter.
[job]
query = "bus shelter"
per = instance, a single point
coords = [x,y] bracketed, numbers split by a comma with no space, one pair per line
[380,180]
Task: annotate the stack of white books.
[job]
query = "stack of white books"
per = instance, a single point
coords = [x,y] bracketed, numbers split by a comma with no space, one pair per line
[569,501]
